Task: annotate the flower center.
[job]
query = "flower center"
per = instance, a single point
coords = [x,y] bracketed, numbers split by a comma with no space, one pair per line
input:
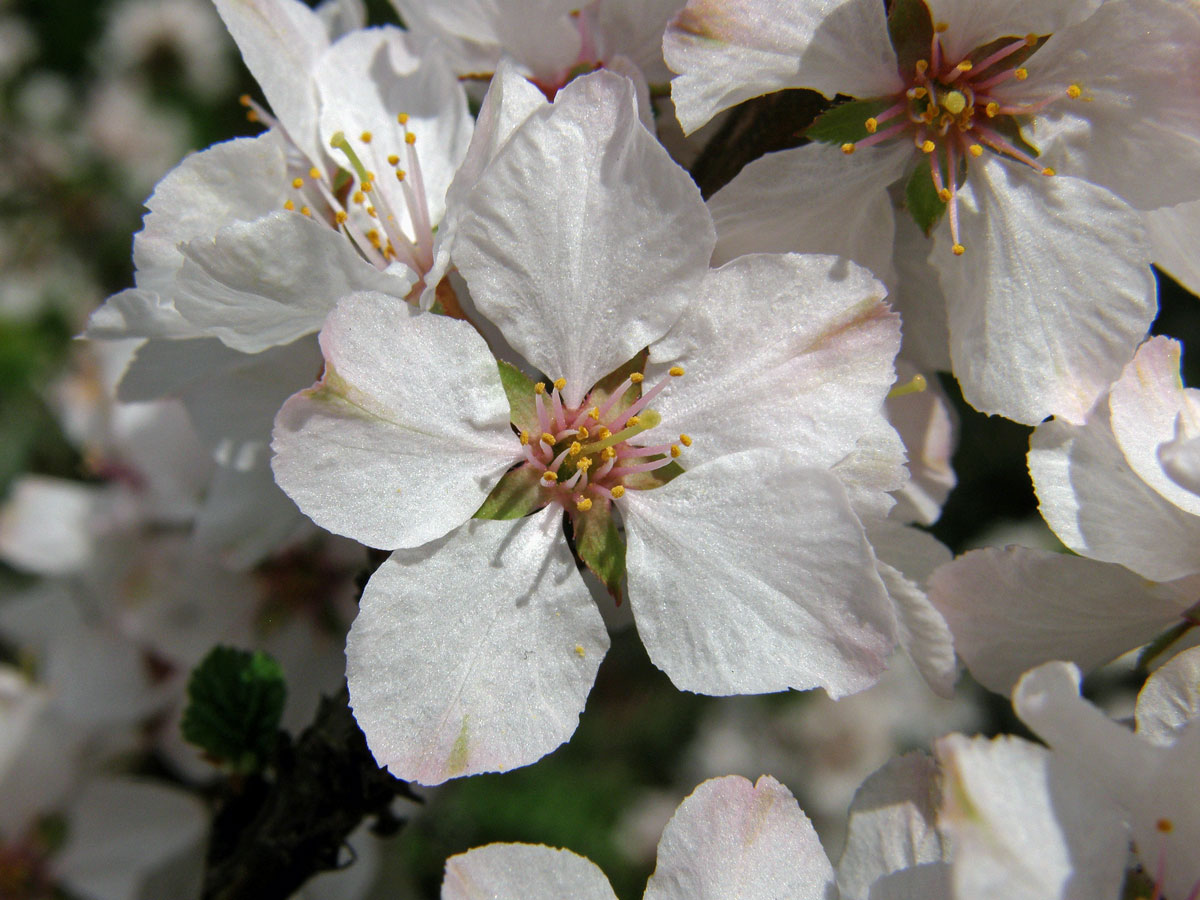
[589,453]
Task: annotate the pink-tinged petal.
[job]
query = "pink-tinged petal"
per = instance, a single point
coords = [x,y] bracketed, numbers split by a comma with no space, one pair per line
[919,299]
[1180,458]
[281,41]
[717,620]
[727,51]
[523,872]
[784,351]
[813,199]
[1099,507]
[131,840]
[1052,295]
[973,23]
[1151,407]
[268,282]
[731,838]
[928,427]
[1010,610]
[1022,824]
[405,434]
[474,653]
[1174,233]
[1136,127]
[585,264]
[892,826]
[1170,698]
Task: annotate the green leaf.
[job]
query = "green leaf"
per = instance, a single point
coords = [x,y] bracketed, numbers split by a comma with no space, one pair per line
[518,493]
[600,546]
[910,27]
[922,200]
[518,386]
[235,700]
[846,123]
[648,481]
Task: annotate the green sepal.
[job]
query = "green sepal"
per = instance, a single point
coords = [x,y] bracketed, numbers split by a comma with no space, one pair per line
[846,123]
[522,411]
[910,27]
[614,379]
[598,543]
[235,701]
[648,481]
[518,493]
[1010,129]
[922,200]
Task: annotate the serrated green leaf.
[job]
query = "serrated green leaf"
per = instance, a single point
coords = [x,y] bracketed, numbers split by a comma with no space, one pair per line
[845,123]
[922,200]
[910,27]
[235,701]
[648,481]
[599,544]
[518,387]
[518,493]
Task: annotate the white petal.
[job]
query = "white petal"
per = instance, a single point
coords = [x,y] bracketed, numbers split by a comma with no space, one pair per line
[892,825]
[1052,296]
[1022,826]
[342,16]
[731,838]
[784,351]
[245,516]
[1099,507]
[1134,133]
[50,525]
[260,284]
[1010,610]
[717,617]
[1174,233]
[726,52]
[1170,698]
[281,41]
[973,23]
[634,29]
[406,433]
[873,470]
[474,653]
[928,426]
[813,199]
[523,872]
[131,840]
[919,299]
[1150,407]
[594,259]
[136,313]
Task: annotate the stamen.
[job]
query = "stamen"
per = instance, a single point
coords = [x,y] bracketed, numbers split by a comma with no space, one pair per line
[915,385]
[618,490]
[641,467]
[1005,52]
[686,440]
[549,477]
[1074,91]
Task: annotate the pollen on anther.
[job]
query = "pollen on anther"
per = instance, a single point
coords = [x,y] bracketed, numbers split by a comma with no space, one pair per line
[548,438]
[1048,171]
[314,173]
[289,205]
[975,150]
[594,414]
[583,463]
[524,438]
[928,146]
[922,66]
[341,217]
[549,477]
[675,371]
[686,440]
[400,174]
[583,504]
[607,453]
[675,451]
[560,383]
[872,125]
[244,99]
[1074,91]
[637,377]
[958,249]
[584,434]
[965,66]
[305,211]
[367,187]
[1021,74]
[632,421]
[941,27]
[604,434]
[1031,39]
[410,138]
[992,109]
[575,449]
[1165,826]
[618,490]
[847,149]
[540,387]
[365,137]
[297,183]
[358,197]
[944,195]
[402,118]
[393,159]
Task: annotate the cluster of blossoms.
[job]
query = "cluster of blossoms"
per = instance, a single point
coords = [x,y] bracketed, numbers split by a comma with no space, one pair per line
[519,352]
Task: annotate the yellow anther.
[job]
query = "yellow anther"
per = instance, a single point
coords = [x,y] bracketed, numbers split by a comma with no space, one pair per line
[401,174]
[365,137]
[1048,171]
[632,421]
[637,377]
[341,217]
[297,183]
[992,109]
[367,186]
[305,211]
[393,159]
[548,438]
[359,197]
[618,490]
[958,249]
[604,434]
[927,146]
[549,477]
[371,176]
[314,173]
[524,438]
[410,138]
[608,453]
[540,387]
[583,433]
[1031,39]
[1021,73]
[1165,826]
[373,237]
[917,93]
[560,383]
[847,149]
[402,118]
[575,449]
[872,125]
[922,66]
[244,99]
[594,414]
[955,102]
[251,116]
[940,27]
[583,504]
[675,451]
[1074,91]
[579,651]
[686,440]
[289,205]
[583,463]
[944,195]
[975,150]
[965,66]
[371,212]
[675,371]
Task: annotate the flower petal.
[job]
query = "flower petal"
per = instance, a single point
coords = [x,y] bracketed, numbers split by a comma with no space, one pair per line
[407,431]
[1170,698]
[474,653]
[1174,233]
[717,618]
[731,838]
[973,23]
[523,872]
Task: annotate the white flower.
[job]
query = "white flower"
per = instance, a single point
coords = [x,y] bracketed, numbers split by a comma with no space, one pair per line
[409,432]
[1052,290]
